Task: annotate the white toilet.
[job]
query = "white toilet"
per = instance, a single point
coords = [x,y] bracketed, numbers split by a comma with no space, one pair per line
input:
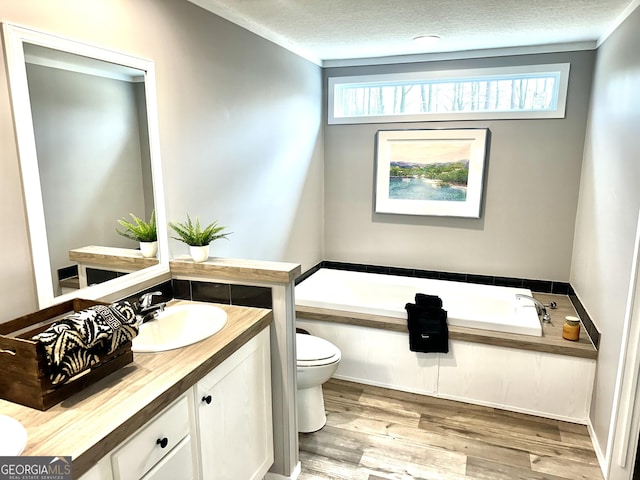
[317,361]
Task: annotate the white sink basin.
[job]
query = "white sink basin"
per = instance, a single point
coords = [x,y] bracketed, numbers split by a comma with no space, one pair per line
[13,437]
[178,326]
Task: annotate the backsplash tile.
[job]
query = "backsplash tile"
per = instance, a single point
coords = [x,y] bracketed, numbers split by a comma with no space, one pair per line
[181,289]
[250,296]
[210,292]
[67,272]
[95,275]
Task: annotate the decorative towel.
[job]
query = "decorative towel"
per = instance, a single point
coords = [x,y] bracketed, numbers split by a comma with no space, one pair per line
[424,300]
[428,329]
[78,341]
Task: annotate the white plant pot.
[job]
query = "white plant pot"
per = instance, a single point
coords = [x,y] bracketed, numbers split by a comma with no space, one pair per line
[199,254]
[149,249]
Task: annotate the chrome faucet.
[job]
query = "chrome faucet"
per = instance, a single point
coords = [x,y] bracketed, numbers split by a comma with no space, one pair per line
[146,311]
[540,308]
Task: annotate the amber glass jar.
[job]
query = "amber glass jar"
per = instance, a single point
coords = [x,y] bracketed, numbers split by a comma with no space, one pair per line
[571,328]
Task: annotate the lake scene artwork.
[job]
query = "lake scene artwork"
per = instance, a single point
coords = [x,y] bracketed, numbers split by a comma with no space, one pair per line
[424,169]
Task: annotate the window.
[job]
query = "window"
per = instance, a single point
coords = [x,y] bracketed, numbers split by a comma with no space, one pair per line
[533,91]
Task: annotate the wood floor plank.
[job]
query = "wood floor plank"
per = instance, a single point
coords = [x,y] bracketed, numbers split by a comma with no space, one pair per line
[341,448]
[533,444]
[494,422]
[422,438]
[576,439]
[483,469]
[558,466]
[377,434]
[394,449]
[386,413]
[319,467]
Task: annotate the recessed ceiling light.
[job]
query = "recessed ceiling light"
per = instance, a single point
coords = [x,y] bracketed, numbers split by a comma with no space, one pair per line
[426,40]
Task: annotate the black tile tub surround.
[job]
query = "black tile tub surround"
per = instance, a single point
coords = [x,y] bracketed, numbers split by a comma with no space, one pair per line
[588,324]
[540,286]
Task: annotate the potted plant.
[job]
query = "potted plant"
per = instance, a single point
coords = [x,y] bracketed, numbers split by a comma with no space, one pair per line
[143,232]
[196,237]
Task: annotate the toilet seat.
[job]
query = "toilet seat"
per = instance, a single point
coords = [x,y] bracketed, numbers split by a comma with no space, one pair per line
[315,351]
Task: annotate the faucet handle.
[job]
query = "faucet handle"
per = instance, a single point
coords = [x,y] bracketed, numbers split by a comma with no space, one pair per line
[146,298]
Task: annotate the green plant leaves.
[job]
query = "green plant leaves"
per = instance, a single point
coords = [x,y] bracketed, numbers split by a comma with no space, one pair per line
[139,230]
[194,235]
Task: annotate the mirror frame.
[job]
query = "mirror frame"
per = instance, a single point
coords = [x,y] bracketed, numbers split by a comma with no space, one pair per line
[15,37]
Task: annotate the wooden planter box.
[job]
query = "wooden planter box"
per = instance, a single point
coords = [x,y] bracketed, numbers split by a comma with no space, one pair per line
[24,367]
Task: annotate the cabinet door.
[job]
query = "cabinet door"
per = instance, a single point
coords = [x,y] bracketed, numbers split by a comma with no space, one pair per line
[234,414]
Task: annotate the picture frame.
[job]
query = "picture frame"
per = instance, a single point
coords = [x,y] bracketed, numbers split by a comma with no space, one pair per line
[437,172]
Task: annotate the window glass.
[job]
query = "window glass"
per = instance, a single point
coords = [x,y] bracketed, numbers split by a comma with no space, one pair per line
[537,91]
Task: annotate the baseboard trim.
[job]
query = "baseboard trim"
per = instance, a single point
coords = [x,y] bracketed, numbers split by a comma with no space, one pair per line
[602,458]
[276,476]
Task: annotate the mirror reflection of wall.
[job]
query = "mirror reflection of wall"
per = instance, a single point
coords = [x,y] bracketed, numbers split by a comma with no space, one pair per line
[92,145]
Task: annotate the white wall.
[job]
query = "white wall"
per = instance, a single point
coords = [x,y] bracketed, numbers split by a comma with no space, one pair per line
[608,206]
[532,178]
[240,130]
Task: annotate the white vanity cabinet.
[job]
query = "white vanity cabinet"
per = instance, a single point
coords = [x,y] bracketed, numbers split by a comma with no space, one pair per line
[160,450]
[233,414]
[220,429]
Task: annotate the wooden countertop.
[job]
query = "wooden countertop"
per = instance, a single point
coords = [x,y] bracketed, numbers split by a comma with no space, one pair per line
[550,342]
[91,423]
[111,257]
[233,268]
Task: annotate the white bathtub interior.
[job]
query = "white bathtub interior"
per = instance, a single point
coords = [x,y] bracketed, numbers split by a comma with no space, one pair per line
[485,307]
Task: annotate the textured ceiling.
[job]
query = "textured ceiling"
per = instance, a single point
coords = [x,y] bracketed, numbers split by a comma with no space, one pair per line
[348,29]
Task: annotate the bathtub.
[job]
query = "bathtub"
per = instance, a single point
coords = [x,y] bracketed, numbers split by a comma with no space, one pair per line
[484,307]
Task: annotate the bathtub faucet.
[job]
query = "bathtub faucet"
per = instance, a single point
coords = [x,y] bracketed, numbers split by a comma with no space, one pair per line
[540,308]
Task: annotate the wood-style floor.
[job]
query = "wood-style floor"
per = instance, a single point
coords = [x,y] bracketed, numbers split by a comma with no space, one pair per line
[373,434]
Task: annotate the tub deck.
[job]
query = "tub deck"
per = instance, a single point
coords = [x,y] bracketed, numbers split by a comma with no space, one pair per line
[550,342]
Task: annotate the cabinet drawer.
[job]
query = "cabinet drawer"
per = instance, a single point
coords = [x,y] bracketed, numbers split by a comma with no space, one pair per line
[145,448]
[176,464]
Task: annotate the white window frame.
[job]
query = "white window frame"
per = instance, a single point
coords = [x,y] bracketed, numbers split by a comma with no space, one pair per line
[484,74]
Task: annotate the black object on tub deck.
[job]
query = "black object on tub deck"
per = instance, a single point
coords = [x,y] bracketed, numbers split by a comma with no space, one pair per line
[427,322]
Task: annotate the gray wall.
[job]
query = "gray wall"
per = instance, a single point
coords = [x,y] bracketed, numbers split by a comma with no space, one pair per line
[240,131]
[532,177]
[89,158]
[608,205]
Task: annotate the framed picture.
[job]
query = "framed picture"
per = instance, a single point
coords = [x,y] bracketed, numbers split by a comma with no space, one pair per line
[430,172]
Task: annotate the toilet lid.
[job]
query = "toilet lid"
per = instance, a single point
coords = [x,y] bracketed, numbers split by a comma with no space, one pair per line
[310,348]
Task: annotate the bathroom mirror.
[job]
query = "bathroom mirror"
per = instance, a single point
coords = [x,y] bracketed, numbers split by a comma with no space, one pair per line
[86,127]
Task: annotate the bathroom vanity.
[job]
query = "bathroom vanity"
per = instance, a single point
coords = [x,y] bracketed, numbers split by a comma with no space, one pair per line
[203,410]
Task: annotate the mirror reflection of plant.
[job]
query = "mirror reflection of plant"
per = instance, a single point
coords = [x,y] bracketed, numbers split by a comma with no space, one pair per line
[191,233]
[139,230]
